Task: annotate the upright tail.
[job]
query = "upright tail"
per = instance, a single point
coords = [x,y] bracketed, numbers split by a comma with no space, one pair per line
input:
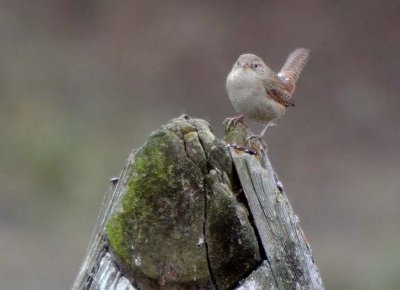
[293,66]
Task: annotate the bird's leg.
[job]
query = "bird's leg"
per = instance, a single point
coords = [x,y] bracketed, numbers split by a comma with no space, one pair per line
[270,124]
[261,135]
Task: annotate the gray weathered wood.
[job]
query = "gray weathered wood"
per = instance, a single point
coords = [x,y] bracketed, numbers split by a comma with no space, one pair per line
[196,199]
[90,273]
[284,243]
[259,279]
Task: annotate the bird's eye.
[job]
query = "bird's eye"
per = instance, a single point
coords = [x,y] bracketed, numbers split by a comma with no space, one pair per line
[256,65]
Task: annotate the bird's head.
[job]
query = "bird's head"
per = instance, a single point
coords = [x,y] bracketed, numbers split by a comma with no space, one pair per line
[252,63]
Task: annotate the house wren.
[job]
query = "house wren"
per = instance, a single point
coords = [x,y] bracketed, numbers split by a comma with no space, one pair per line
[258,93]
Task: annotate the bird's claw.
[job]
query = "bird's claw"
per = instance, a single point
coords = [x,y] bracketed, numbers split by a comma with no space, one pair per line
[234,120]
[254,136]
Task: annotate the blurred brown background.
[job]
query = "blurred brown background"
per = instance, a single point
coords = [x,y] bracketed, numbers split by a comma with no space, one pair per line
[84,82]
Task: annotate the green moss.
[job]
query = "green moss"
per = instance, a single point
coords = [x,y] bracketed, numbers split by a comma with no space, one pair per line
[152,174]
[158,230]
[151,171]
[235,133]
[162,210]
[115,235]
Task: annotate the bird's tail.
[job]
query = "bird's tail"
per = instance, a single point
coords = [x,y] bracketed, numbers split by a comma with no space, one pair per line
[293,66]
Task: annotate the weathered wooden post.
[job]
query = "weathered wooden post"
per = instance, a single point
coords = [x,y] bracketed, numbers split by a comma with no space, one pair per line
[190,212]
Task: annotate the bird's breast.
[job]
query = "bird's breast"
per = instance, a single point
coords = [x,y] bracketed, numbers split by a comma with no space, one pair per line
[248,96]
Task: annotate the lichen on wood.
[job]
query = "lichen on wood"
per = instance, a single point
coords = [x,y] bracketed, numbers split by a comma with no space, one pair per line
[191,212]
[287,251]
[178,213]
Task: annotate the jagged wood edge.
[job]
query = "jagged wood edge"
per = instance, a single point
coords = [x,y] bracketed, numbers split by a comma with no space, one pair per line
[288,253]
[96,254]
[288,268]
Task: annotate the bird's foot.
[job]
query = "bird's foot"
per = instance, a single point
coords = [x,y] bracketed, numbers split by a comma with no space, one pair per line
[234,120]
[253,138]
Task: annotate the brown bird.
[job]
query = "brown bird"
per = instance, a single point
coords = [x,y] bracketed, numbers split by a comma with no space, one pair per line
[258,93]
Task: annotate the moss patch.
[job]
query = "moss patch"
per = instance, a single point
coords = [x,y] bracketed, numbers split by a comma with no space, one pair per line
[180,177]
[162,213]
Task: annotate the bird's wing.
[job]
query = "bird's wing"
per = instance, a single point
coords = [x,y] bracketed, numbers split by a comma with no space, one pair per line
[275,89]
[294,65]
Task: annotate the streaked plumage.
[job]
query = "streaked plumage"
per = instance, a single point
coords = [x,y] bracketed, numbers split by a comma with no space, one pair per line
[292,68]
[260,94]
